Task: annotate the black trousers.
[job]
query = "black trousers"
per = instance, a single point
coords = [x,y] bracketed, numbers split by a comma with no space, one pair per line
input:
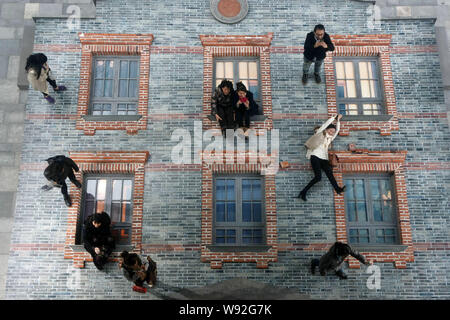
[106,246]
[243,116]
[227,116]
[318,165]
[63,184]
[52,83]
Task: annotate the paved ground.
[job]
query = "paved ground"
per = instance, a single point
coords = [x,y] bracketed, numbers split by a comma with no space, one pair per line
[16,42]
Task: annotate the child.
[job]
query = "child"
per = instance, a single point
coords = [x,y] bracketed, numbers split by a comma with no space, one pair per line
[134,270]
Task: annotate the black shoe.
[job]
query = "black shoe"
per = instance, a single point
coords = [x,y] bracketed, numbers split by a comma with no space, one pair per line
[341,275]
[341,190]
[68,201]
[77,184]
[318,78]
[305,78]
[313,267]
[302,195]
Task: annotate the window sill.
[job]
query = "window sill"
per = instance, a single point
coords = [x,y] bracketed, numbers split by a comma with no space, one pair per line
[380,248]
[112,117]
[381,117]
[216,248]
[119,248]
[258,117]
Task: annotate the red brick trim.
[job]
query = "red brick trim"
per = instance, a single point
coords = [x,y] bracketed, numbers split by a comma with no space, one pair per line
[216,259]
[376,161]
[132,162]
[237,45]
[113,44]
[363,45]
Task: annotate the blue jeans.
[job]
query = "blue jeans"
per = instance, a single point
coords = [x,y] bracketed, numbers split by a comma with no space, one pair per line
[307,64]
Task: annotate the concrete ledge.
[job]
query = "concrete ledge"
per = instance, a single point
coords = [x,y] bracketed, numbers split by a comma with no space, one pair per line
[379,248]
[112,118]
[215,248]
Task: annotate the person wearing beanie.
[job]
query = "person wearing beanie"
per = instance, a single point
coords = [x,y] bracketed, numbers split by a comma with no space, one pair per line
[222,105]
[136,271]
[317,152]
[245,106]
[39,73]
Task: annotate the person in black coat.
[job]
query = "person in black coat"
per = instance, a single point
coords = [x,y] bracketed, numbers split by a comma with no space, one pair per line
[59,168]
[245,106]
[98,240]
[333,259]
[316,45]
[222,105]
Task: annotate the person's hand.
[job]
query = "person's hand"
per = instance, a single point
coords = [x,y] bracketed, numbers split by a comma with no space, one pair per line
[339,117]
[317,43]
[247,104]
[141,275]
[97,250]
[120,264]
[218,118]
[323,44]
[369,262]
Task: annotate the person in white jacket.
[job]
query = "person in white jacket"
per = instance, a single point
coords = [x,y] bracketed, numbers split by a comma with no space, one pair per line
[317,152]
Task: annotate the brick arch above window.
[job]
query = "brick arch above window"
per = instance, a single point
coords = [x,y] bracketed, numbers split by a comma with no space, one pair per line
[237,46]
[105,162]
[104,44]
[377,162]
[371,45]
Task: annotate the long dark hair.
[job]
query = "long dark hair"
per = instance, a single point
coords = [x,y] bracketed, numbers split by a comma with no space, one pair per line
[36,62]
[130,259]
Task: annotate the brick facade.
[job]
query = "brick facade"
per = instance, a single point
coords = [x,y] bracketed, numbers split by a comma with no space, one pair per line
[171,223]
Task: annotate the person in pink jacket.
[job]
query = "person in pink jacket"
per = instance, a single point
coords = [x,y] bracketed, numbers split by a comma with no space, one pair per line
[317,152]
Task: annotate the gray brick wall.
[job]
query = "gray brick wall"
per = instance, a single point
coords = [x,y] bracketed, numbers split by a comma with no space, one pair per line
[172,200]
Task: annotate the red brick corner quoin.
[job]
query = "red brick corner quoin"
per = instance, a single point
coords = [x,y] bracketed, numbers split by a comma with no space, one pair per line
[93,44]
[376,162]
[363,45]
[233,46]
[216,259]
[106,162]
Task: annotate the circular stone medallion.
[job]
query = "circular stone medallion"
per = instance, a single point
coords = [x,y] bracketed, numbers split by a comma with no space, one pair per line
[229,11]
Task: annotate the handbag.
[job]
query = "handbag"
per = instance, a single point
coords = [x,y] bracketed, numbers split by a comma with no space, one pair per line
[334,160]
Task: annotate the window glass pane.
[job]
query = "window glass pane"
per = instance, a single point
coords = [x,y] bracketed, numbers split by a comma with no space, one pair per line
[99,69]
[219,70]
[374,89]
[256,191]
[133,69]
[253,87]
[246,189]
[229,70]
[122,236]
[220,189]
[220,240]
[108,88]
[132,109]
[98,88]
[126,211]
[230,189]
[220,212]
[359,186]
[342,109]
[363,73]
[116,212]
[365,89]
[372,70]
[257,212]
[100,206]
[340,73]
[231,236]
[376,208]
[117,190]
[106,109]
[351,211]
[127,186]
[349,189]
[101,189]
[231,212]
[349,72]
[362,212]
[90,189]
[375,189]
[369,108]
[220,232]
[388,212]
[351,89]
[341,89]
[246,211]
[109,68]
[352,109]
[243,70]
[123,88]
[353,235]
[123,69]
[253,67]
[121,109]
[133,88]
